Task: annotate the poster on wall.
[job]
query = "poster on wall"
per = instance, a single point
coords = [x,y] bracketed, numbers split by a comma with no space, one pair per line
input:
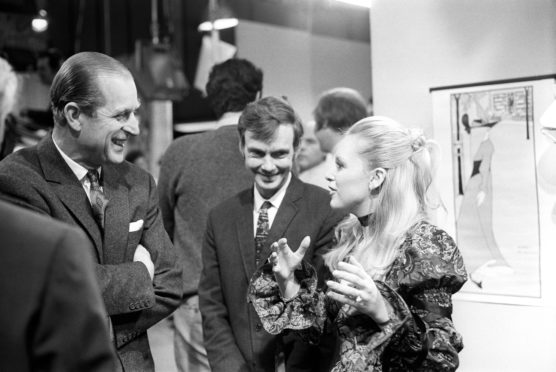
[494,196]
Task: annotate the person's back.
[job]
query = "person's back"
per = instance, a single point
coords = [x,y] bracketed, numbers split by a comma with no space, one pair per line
[53,318]
[197,172]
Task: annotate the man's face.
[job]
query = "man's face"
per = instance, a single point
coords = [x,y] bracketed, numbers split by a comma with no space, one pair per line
[270,162]
[309,154]
[104,135]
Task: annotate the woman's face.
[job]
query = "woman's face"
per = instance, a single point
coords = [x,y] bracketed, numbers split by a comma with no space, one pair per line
[349,182]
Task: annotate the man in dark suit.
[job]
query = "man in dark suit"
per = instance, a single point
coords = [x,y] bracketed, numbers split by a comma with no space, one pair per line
[51,314]
[78,175]
[198,172]
[239,233]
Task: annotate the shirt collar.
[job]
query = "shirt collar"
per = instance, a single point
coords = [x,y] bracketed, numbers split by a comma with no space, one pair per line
[228,118]
[77,169]
[275,199]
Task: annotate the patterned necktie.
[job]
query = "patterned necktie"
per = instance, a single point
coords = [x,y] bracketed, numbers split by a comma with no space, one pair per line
[98,200]
[262,231]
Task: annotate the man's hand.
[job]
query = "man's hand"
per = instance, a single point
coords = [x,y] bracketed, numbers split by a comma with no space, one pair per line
[142,255]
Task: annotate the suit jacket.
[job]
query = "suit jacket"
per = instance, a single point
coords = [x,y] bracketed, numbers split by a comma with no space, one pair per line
[38,178]
[51,314]
[190,170]
[234,337]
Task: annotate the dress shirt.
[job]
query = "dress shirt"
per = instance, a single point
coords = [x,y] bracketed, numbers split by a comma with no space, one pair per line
[79,171]
[275,200]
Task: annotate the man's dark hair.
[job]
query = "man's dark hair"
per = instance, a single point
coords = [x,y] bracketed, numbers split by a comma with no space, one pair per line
[233,84]
[339,109]
[263,117]
[76,81]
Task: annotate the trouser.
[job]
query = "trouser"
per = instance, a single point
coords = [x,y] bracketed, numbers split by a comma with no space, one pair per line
[190,352]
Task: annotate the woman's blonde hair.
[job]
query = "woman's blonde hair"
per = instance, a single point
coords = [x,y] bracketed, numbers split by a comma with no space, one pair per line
[409,160]
[8,88]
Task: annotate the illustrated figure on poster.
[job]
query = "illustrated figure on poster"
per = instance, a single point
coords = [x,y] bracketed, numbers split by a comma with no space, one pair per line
[475,229]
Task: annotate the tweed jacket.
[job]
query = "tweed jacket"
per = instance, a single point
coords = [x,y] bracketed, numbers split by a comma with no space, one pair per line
[234,336]
[51,314]
[39,179]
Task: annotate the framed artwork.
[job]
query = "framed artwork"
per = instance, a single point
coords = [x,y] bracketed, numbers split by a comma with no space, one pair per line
[498,200]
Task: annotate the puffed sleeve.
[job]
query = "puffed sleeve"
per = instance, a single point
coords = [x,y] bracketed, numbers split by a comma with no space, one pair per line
[430,271]
[306,311]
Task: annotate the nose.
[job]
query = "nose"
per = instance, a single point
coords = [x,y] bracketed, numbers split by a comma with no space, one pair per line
[329,177]
[268,164]
[132,126]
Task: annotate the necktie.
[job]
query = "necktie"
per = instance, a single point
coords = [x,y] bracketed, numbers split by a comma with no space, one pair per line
[262,231]
[98,200]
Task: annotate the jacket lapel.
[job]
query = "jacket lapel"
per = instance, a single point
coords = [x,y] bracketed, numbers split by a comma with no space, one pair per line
[116,216]
[69,190]
[287,211]
[244,231]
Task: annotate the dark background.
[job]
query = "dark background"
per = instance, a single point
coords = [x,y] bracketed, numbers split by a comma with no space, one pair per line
[114,26]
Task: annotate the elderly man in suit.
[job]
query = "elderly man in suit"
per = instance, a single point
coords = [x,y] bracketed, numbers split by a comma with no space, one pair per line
[51,316]
[78,175]
[190,169]
[238,237]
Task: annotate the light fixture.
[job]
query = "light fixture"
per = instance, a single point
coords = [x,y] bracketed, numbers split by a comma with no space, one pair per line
[40,21]
[218,17]
[364,3]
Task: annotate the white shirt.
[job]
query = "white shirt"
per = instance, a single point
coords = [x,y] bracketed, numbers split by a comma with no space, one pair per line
[275,200]
[228,118]
[79,171]
[317,174]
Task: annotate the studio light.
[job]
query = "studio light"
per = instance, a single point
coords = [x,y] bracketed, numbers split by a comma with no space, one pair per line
[40,22]
[217,17]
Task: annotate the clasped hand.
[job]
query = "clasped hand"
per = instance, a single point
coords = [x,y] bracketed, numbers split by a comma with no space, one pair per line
[355,287]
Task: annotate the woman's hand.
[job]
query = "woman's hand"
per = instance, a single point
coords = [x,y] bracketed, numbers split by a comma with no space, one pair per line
[284,263]
[356,288]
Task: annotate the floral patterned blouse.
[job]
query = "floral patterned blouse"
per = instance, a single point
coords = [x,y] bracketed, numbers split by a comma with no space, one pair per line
[419,336]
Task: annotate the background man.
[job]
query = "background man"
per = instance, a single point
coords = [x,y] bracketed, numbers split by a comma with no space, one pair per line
[238,237]
[197,172]
[51,316]
[78,175]
[311,161]
[336,111]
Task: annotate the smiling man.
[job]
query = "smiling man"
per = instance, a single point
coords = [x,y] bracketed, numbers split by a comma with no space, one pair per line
[78,175]
[237,242]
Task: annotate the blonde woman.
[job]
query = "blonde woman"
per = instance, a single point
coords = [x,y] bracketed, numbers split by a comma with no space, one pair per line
[8,93]
[392,272]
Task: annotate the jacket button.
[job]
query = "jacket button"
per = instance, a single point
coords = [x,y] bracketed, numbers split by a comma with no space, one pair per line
[132,307]
[258,327]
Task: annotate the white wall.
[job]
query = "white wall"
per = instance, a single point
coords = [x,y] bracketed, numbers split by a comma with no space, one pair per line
[301,65]
[421,44]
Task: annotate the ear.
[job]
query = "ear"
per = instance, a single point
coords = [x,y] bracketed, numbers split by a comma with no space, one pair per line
[377,178]
[72,113]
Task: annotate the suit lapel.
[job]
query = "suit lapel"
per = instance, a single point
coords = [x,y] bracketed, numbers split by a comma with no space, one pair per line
[116,216]
[244,231]
[69,190]
[287,211]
